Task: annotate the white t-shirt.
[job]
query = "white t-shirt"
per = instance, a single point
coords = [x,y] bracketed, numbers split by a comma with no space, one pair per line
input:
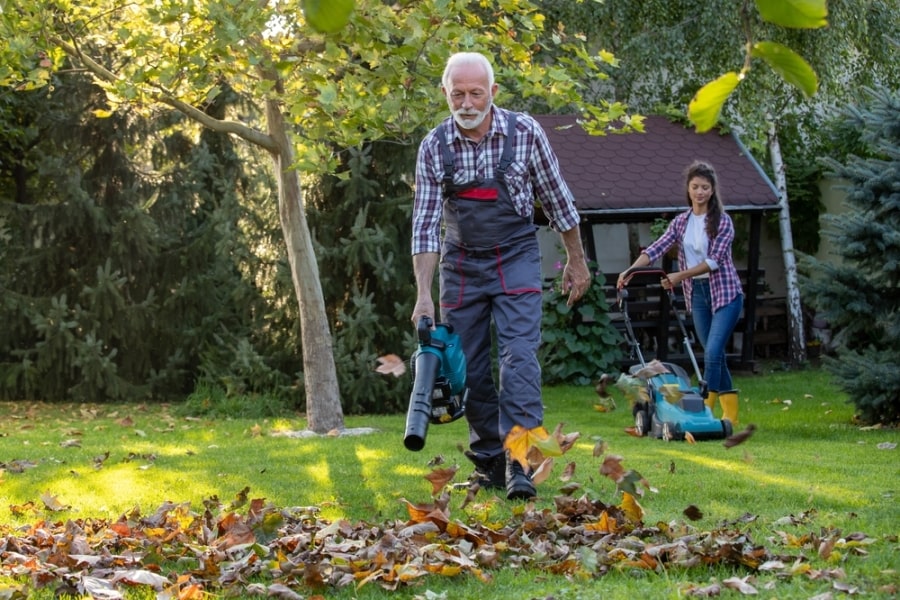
[696,243]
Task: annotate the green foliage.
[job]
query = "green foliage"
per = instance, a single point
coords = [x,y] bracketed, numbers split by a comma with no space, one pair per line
[214,402]
[860,295]
[126,270]
[579,342]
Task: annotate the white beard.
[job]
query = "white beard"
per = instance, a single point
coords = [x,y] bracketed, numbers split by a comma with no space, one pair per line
[469,121]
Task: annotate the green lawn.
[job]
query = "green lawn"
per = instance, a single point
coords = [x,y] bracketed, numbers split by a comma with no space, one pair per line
[808,470]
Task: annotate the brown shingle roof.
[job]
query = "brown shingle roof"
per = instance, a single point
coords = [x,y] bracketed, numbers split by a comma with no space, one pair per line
[638,176]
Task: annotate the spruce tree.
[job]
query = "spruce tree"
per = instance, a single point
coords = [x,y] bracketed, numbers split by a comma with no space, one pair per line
[859,294]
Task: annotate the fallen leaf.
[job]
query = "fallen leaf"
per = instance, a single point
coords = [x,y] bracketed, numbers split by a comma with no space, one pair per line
[689,438]
[52,502]
[740,584]
[391,364]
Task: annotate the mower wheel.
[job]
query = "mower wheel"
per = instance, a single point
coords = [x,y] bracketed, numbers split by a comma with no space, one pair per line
[668,431]
[727,427]
[641,422]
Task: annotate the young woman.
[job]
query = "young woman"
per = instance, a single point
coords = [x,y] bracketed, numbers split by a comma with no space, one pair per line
[712,288]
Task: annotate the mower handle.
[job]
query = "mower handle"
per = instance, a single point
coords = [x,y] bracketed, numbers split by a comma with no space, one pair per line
[643,271]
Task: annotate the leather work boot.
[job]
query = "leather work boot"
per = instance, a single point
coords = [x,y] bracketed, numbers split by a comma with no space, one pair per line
[518,483]
[490,473]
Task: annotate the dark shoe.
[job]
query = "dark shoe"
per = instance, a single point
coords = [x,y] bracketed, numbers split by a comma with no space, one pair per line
[489,473]
[518,484]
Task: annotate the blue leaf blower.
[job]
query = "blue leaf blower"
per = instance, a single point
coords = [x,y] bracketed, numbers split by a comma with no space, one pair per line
[439,382]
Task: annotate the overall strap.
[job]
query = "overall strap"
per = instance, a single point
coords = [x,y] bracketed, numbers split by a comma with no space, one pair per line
[447,158]
[507,157]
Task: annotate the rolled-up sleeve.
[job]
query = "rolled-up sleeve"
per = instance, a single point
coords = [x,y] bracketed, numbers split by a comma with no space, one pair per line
[550,188]
[426,217]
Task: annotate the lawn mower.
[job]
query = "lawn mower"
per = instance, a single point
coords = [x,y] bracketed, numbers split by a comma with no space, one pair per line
[670,407]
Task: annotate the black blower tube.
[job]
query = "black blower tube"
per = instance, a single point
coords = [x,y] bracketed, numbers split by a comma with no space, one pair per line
[427,367]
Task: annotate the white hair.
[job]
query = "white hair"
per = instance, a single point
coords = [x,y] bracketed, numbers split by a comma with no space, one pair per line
[468,58]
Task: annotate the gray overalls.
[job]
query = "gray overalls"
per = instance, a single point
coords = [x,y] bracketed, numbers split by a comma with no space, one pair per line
[490,268]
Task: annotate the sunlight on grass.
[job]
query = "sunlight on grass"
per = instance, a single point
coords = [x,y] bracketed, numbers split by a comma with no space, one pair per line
[830,492]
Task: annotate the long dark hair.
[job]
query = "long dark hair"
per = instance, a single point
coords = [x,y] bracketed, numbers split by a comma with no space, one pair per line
[698,168]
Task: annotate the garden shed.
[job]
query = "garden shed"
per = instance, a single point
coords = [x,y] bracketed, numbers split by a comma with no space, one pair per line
[636,178]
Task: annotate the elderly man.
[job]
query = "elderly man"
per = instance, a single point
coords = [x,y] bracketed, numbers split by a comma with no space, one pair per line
[479,174]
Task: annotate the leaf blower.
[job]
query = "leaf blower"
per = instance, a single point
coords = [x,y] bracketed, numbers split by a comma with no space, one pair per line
[439,382]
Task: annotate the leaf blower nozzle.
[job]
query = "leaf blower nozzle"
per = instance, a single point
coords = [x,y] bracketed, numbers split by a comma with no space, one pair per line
[439,382]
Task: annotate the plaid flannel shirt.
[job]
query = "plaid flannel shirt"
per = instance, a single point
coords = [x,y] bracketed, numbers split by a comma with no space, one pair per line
[534,175]
[724,282]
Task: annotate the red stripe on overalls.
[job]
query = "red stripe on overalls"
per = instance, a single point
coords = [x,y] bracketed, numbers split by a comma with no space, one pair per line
[483,194]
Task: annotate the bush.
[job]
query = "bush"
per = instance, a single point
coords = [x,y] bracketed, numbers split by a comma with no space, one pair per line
[859,296]
[579,342]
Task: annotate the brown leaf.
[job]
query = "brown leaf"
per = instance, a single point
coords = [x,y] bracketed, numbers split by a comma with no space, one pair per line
[391,364]
[612,467]
[740,437]
[693,513]
[440,478]
[542,472]
[599,448]
[52,502]
[568,472]
[689,437]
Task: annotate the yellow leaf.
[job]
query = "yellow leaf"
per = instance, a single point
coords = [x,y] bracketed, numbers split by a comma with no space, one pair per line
[631,508]
[520,440]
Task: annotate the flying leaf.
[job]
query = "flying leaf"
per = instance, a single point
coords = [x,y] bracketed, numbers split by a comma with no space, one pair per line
[740,437]
[441,477]
[542,472]
[689,437]
[671,392]
[693,513]
[790,65]
[794,14]
[391,364]
[653,368]
[568,472]
[612,467]
[600,448]
[706,106]
[634,388]
[520,440]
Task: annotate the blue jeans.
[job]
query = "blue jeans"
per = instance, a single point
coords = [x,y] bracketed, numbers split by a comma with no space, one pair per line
[714,330]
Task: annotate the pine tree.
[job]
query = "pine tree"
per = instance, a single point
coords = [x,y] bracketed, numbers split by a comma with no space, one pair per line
[860,294]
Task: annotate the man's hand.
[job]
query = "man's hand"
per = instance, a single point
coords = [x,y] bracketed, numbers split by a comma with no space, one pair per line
[575,280]
[424,308]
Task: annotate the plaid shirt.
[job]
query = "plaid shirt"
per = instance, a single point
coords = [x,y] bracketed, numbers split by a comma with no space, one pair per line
[533,176]
[724,282]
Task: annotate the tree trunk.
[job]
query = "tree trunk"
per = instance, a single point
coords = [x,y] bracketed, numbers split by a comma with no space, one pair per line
[795,308]
[323,401]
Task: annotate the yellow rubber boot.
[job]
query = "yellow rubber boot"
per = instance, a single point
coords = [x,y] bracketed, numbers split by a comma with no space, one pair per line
[729,402]
[710,399]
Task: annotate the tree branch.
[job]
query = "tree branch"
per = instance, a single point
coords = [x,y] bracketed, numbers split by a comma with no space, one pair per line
[254,136]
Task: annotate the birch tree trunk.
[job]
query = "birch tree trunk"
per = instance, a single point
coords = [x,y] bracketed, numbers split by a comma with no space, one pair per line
[323,402]
[797,347]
